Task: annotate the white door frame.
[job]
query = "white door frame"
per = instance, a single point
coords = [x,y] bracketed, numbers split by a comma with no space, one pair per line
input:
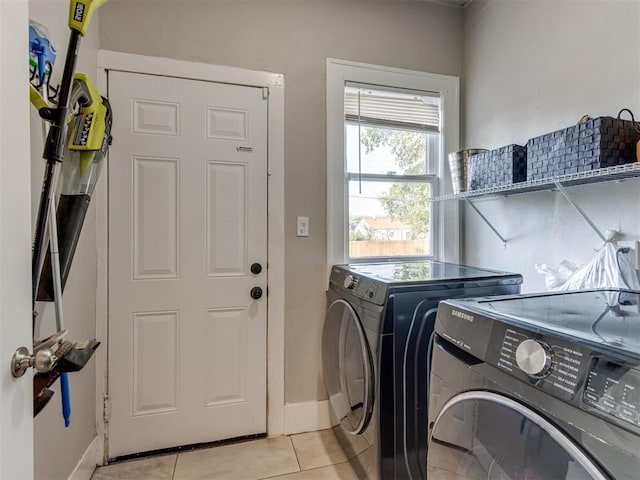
[109,60]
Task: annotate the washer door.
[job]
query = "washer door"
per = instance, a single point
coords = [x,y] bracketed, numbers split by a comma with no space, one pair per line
[348,367]
[482,435]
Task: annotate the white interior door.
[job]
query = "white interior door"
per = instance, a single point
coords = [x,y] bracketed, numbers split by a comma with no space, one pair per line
[16,395]
[187,219]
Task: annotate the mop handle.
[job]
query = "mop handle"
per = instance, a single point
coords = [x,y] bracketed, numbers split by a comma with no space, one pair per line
[57,296]
[65,395]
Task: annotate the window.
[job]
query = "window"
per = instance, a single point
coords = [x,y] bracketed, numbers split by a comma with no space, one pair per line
[392,146]
[387,131]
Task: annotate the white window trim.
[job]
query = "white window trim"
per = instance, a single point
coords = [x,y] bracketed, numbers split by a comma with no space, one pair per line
[446,243]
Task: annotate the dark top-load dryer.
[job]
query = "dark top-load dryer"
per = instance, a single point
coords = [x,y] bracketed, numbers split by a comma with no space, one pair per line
[376,335]
[537,386]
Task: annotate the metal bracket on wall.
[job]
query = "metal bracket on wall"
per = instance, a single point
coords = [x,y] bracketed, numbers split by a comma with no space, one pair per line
[568,198]
[616,173]
[504,241]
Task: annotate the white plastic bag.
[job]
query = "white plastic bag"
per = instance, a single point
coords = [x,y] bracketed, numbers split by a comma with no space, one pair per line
[555,278]
[608,269]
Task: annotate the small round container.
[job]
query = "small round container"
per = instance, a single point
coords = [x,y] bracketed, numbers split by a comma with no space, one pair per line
[458,166]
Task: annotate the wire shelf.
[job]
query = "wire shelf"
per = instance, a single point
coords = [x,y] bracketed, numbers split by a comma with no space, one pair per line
[618,172]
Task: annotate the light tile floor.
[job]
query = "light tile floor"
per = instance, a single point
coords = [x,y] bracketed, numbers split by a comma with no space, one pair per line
[306,456]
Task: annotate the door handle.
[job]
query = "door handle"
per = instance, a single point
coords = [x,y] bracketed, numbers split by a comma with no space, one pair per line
[256,293]
[42,360]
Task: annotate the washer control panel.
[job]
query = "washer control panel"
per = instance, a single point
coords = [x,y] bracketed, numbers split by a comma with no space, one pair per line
[555,365]
[614,389]
[570,372]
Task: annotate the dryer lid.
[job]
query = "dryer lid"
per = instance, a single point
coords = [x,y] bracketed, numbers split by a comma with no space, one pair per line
[605,318]
[428,271]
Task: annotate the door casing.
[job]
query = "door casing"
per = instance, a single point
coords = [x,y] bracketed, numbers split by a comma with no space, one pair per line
[274,86]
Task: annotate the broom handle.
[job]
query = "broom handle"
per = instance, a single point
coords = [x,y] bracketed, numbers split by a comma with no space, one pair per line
[57,296]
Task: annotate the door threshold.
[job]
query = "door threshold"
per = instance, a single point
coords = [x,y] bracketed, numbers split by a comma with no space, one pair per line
[187,448]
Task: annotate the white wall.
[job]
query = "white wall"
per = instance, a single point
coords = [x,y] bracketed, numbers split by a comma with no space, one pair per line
[52,461]
[531,67]
[294,38]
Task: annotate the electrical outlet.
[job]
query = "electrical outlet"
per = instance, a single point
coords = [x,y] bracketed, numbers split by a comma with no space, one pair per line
[633,254]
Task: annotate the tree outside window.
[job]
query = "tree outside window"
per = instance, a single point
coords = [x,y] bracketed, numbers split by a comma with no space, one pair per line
[392,146]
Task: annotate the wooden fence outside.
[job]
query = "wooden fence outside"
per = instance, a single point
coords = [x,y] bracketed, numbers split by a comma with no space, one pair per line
[387,248]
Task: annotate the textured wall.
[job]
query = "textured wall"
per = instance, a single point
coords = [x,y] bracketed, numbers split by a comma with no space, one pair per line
[294,38]
[79,300]
[531,67]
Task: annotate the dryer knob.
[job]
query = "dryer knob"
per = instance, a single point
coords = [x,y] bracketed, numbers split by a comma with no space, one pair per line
[350,282]
[533,358]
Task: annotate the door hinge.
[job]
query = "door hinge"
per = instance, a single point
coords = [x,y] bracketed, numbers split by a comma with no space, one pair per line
[265,93]
[106,408]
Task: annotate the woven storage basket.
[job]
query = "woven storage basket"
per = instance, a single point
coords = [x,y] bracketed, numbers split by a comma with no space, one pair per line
[502,166]
[597,143]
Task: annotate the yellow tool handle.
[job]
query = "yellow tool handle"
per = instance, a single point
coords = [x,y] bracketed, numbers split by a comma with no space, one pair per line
[81,12]
[36,99]
[88,127]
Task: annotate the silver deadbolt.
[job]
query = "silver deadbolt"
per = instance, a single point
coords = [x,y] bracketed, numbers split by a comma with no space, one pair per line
[256,268]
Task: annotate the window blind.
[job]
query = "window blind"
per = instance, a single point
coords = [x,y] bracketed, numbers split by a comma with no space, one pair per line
[388,108]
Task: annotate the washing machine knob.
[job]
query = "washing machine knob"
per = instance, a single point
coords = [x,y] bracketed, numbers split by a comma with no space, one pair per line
[350,282]
[533,358]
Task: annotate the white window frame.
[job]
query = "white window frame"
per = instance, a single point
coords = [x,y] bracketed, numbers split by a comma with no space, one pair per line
[445,215]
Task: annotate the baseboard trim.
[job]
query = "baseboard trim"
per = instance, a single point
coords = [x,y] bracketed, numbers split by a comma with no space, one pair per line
[87,464]
[306,417]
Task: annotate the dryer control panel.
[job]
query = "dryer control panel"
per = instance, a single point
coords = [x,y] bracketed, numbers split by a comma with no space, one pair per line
[360,286]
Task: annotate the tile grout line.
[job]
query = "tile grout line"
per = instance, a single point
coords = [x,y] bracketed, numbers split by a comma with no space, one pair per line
[278,475]
[175,465]
[295,452]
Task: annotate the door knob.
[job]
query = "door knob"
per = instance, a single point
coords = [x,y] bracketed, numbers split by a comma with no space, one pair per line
[256,293]
[256,268]
[42,360]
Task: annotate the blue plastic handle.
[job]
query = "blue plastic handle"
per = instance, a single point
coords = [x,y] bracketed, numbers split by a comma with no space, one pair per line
[66,398]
